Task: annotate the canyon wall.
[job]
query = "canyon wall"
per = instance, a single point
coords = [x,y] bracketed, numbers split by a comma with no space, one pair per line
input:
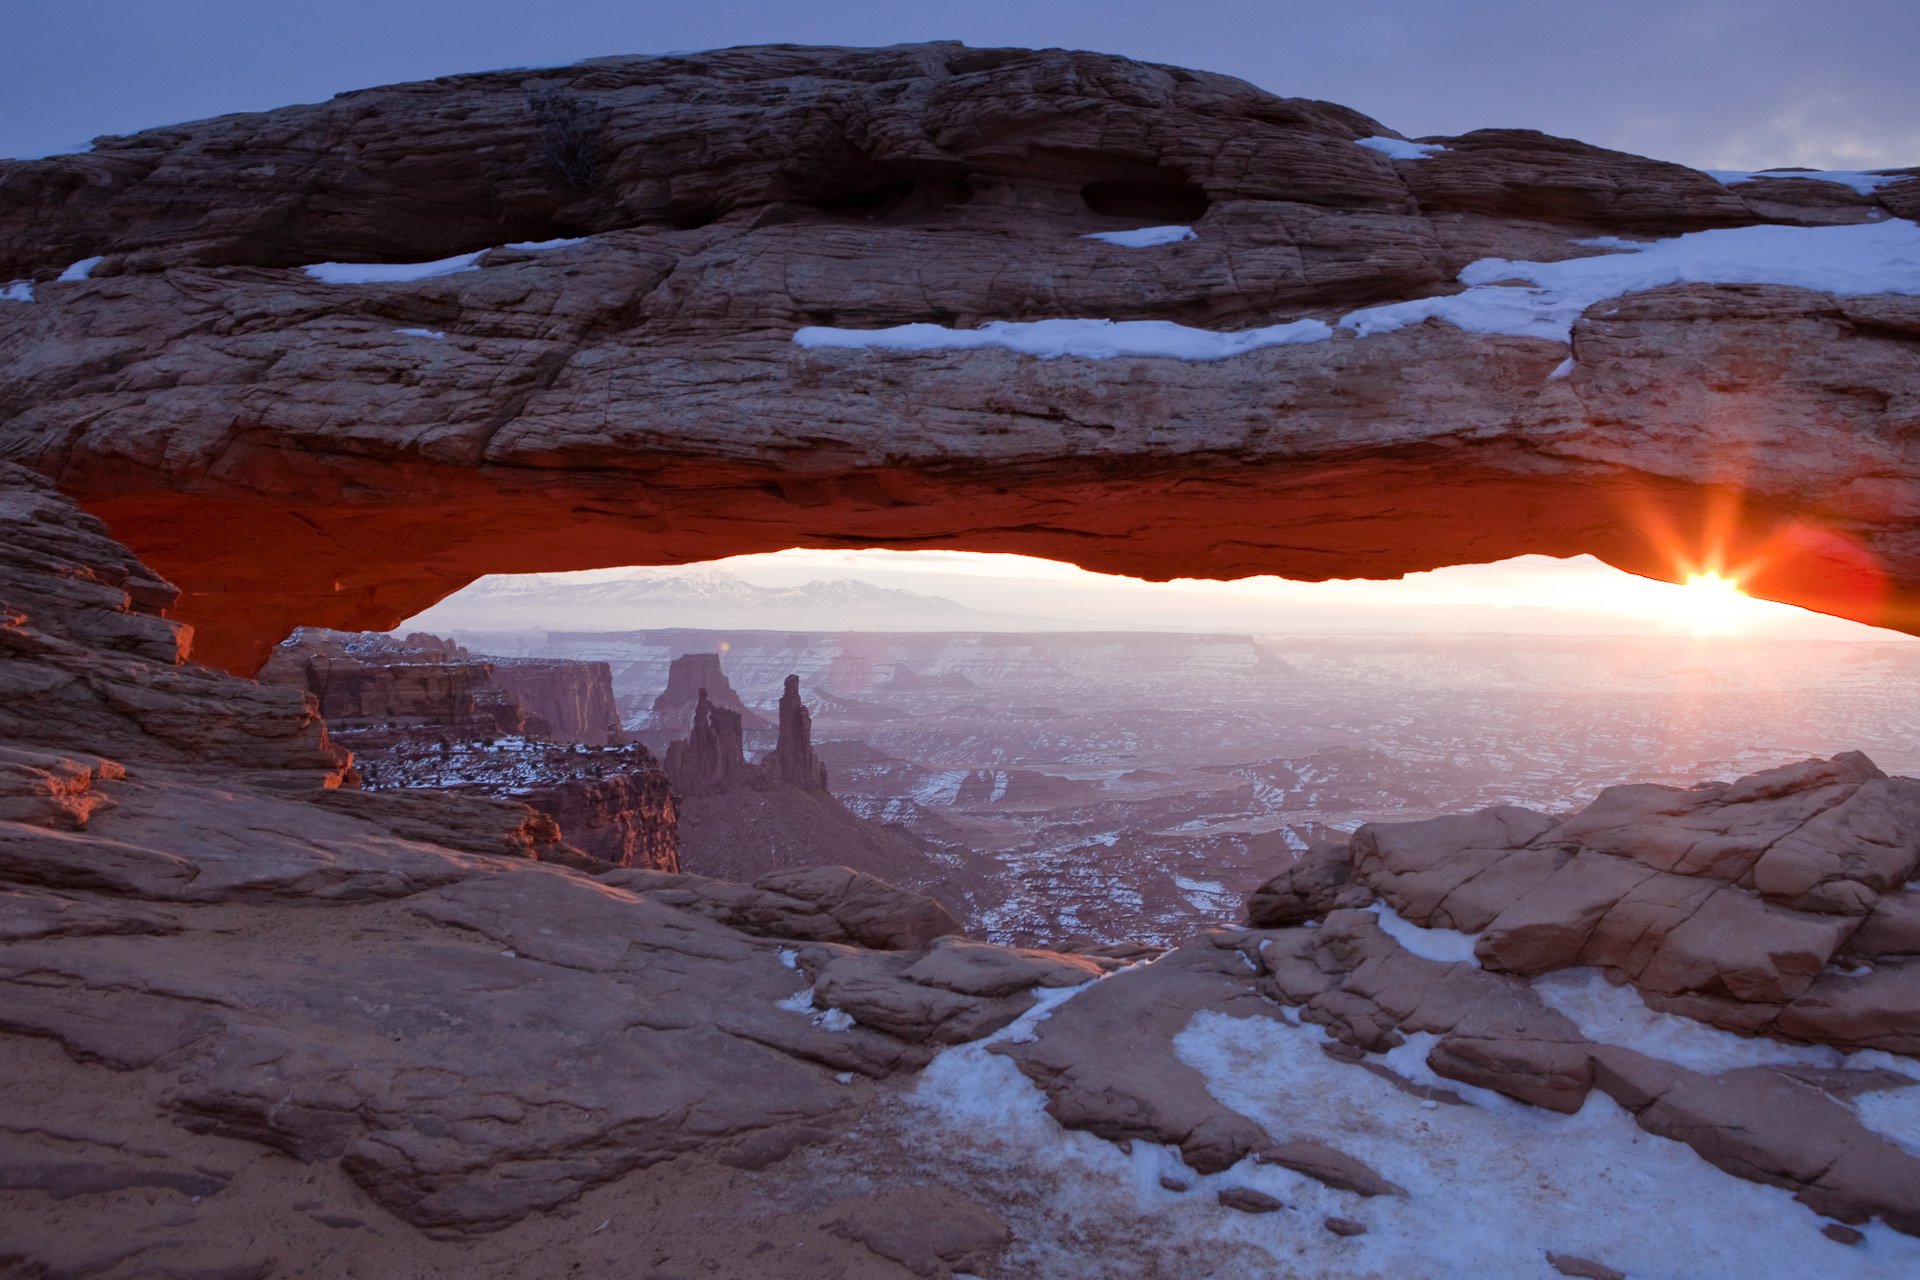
[574,700]
[423,712]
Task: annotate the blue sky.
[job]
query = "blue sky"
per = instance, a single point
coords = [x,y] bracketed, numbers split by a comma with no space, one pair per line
[1716,83]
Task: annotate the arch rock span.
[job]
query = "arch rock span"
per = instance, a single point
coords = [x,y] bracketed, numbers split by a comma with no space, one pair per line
[633,344]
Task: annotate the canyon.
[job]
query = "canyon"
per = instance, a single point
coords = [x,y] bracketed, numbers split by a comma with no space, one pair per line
[264,1011]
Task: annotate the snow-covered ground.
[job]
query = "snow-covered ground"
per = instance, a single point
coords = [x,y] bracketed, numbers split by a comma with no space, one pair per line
[1493,1185]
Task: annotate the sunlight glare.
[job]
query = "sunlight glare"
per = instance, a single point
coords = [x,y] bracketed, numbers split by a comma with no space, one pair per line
[1714,605]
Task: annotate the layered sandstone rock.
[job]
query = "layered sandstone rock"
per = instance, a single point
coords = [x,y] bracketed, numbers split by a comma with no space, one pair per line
[741,821]
[692,678]
[375,692]
[711,759]
[89,662]
[297,451]
[423,712]
[1733,902]
[573,701]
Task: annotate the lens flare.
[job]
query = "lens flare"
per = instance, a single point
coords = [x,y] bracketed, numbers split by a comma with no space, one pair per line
[1713,604]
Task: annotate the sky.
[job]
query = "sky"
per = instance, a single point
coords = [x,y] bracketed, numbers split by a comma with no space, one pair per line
[1733,84]
[1537,595]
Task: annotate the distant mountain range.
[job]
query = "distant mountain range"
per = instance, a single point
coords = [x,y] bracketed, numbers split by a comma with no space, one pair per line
[699,596]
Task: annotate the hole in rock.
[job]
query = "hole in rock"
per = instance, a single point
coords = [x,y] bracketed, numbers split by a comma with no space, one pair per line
[1064,756]
[1169,198]
[895,200]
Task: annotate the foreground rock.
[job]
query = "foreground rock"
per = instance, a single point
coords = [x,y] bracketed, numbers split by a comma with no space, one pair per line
[1738,904]
[723,201]
[253,1023]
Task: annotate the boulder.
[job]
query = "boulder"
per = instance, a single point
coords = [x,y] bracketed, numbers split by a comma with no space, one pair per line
[1305,891]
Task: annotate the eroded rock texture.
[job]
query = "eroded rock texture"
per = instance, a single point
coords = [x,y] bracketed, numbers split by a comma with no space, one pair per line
[296,451]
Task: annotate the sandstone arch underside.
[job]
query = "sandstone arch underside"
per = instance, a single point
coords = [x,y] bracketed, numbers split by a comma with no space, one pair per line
[290,447]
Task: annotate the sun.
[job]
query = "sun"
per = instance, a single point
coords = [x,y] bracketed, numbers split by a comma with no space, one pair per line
[1712,604]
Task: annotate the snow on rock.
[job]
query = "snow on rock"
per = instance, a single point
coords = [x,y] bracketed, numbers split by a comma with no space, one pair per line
[1446,945]
[1143,237]
[1850,261]
[1494,1185]
[536,246]
[1492,1189]
[1400,148]
[1090,339]
[1504,296]
[438,335]
[1561,370]
[17,291]
[392,272]
[1617,1015]
[81,270]
[1863,182]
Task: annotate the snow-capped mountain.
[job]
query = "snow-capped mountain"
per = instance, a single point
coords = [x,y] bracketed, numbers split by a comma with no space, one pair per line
[700,596]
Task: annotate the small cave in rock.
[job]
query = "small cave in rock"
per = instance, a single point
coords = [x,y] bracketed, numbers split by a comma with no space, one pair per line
[1166,197]
[894,201]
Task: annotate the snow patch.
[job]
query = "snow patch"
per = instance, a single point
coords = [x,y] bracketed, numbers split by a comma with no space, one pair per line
[1862,182]
[1616,1015]
[536,246]
[17,291]
[392,272]
[1894,1114]
[1400,148]
[81,270]
[1849,261]
[1561,370]
[1089,339]
[833,1019]
[1492,1189]
[800,1001]
[438,335]
[1449,945]
[1144,237]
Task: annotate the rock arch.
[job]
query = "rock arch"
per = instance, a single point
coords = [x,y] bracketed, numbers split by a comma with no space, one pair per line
[290,449]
